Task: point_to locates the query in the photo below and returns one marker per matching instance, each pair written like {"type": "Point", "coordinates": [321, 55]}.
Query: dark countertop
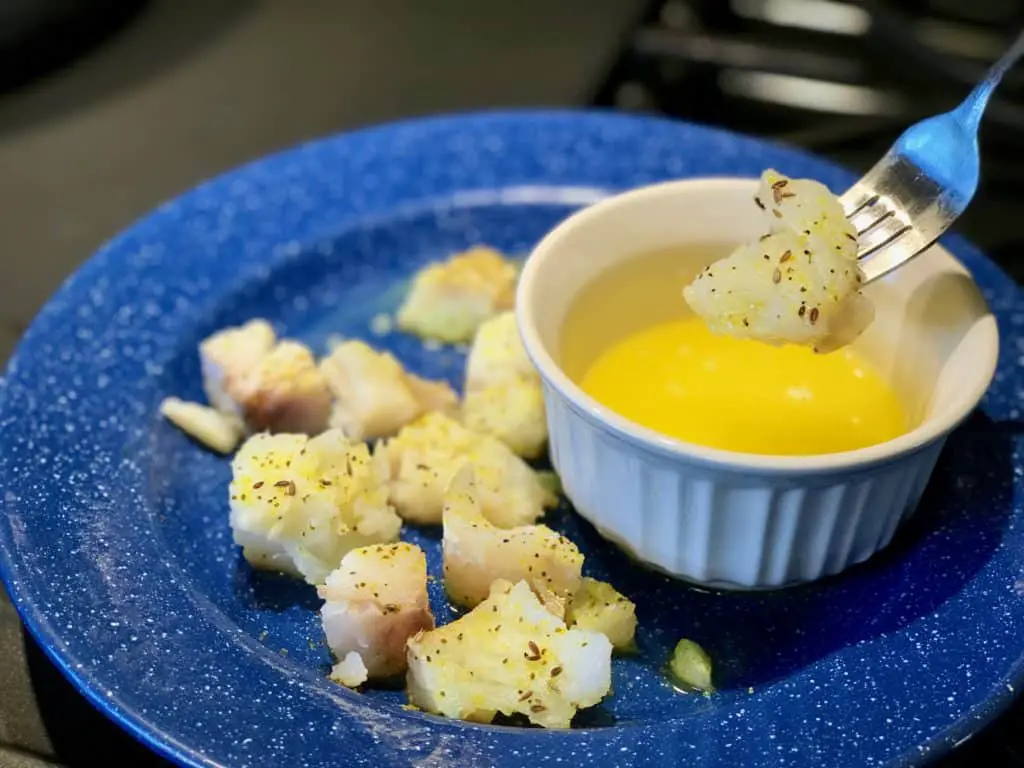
{"type": "Point", "coordinates": [192, 88]}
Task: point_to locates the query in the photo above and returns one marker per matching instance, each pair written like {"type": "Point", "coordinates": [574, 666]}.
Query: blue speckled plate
{"type": "Point", "coordinates": [115, 546]}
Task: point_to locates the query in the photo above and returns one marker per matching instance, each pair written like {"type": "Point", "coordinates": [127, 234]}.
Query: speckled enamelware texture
{"type": "Point", "coordinates": [114, 540]}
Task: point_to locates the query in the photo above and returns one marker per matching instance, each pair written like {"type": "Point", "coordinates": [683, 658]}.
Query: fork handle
{"type": "Point", "coordinates": [973, 106]}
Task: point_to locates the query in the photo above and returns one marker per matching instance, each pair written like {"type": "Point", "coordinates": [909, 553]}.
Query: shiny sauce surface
{"type": "Point", "coordinates": [630, 343]}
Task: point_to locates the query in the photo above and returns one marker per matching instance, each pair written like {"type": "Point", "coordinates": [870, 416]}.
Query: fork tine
{"type": "Point", "coordinates": [923, 182]}
{"type": "Point", "coordinates": [877, 220]}
{"type": "Point", "coordinates": [869, 215]}
{"type": "Point", "coordinates": [881, 237]}
{"type": "Point", "coordinates": [856, 199]}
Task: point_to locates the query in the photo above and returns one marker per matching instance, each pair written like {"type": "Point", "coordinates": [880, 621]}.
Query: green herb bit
{"type": "Point", "coordinates": [691, 666]}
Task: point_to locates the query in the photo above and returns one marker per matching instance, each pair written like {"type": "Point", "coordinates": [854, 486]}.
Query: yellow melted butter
{"type": "Point", "coordinates": [679, 379]}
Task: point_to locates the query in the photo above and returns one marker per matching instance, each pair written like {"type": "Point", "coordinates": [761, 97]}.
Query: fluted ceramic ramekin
{"type": "Point", "coordinates": [735, 520]}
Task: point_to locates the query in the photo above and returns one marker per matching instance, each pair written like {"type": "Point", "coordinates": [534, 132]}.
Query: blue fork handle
{"type": "Point", "coordinates": [972, 108]}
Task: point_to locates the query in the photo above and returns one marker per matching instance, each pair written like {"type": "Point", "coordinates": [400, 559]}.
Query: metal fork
{"type": "Point", "coordinates": [923, 183]}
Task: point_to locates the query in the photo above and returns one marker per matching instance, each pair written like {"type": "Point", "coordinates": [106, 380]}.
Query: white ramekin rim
{"type": "Point", "coordinates": [923, 435]}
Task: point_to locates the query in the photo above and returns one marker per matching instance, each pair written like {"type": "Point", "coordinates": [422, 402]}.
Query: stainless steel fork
{"type": "Point", "coordinates": [924, 182]}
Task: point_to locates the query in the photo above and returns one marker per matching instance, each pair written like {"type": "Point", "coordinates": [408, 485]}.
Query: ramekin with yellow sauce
{"type": "Point", "coordinates": [723, 461]}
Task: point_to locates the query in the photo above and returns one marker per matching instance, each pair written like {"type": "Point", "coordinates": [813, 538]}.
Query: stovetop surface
{"type": "Point", "coordinates": [841, 79]}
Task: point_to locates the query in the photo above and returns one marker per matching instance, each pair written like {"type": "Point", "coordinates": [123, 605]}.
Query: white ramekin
{"type": "Point", "coordinates": [734, 520]}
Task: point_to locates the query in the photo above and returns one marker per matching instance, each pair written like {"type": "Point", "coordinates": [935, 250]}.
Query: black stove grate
{"type": "Point", "coordinates": [839, 78]}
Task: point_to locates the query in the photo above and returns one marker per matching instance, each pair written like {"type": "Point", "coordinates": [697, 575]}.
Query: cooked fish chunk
{"type": "Point", "coordinates": [497, 355]}
{"type": "Point", "coordinates": [448, 300]}
{"type": "Point", "coordinates": [509, 655]}
{"type": "Point", "coordinates": [374, 601]}
{"type": "Point", "coordinates": [808, 208]}
{"type": "Point", "coordinates": [215, 429]}
{"type": "Point", "coordinates": [286, 392]}
{"type": "Point", "coordinates": [512, 412]}
{"type": "Point", "coordinates": [477, 553]}
{"type": "Point", "coordinates": [597, 606]}
{"type": "Point", "coordinates": [270, 385]}
{"type": "Point", "coordinates": [374, 395]}
{"type": "Point", "coordinates": [425, 456]}
{"type": "Point", "coordinates": [229, 356]}
{"type": "Point", "coordinates": [504, 397]}
{"type": "Point", "coordinates": [798, 284]}
{"type": "Point", "coordinates": [300, 504]}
